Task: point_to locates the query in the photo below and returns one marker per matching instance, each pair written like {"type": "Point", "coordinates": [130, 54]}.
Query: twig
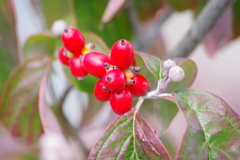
{"type": "Point", "coordinates": [204, 23]}
{"type": "Point", "coordinates": [73, 132]}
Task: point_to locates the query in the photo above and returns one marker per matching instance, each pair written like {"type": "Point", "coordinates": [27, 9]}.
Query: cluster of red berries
{"type": "Point", "coordinates": [118, 77]}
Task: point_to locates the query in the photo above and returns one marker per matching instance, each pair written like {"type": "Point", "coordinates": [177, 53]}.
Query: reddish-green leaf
{"type": "Point", "coordinates": [152, 63]}
{"type": "Point", "coordinates": [190, 70]}
{"type": "Point", "coordinates": [129, 137]}
{"type": "Point", "coordinates": [8, 41]}
{"type": "Point", "coordinates": [39, 44]}
{"type": "Point", "coordinates": [159, 113]}
{"type": "Point", "coordinates": [19, 100]}
{"type": "Point", "coordinates": [181, 5]}
{"type": "Point", "coordinates": [213, 130]}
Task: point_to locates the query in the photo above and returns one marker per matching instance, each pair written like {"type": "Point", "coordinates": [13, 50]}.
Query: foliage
{"type": "Point", "coordinates": [31, 108]}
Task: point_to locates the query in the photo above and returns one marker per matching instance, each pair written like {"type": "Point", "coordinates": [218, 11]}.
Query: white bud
{"type": "Point", "coordinates": [58, 27]}
{"type": "Point", "coordinates": [168, 64]}
{"type": "Point", "coordinates": [54, 147]}
{"type": "Point", "coordinates": [176, 74]}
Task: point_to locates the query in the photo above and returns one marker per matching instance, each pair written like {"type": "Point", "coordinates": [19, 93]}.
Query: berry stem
{"type": "Point", "coordinates": [139, 103]}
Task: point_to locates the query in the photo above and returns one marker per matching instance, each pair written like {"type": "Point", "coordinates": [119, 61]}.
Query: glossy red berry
{"type": "Point", "coordinates": [101, 92]}
{"type": "Point", "coordinates": [62, 56]}
{"type": "Point", "coordinates": [122, 54]}
{"type": "Point", "coordinates": [121, 102]}
{"type": "Point", "coordinates": [73, 40]}
{"type": "Point", "coordinates": [139, 85]}
{"type": "Point", "coordinates": [94, 63]}
{"type": "Point", "coordinates": [76, 68]}
{"type": "Point", "coordinates": [115, 80]}
{"type": "Point", "coordinates": [133, 62]}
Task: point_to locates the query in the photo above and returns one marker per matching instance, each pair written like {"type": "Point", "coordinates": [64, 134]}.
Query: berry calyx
{"type": "Point", "coordinates": [73, 40]}
{"type": "Point", "coordinates": [101, 92]}
{"type": "Point", "coordinates": [122, 54]}
{"type": "Point", "coordinates": [121, 102]}
{"type": "Point", "coordinates": [76, 68]}
{"type": "Point", "coordinates": [115, 80]}
{"type": "Point", "coordinates": [62, 56]}
{"type": "Point", "coordinates": [138, 85]}
{"type": "Point", "coordinates": [94, 63]}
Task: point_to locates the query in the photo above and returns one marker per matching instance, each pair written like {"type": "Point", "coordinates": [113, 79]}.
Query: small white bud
{"type": "Point", "coordinates": [54, 147]}
{"type": "Point", "coordinates": [176, 74]}
{"type": "Point", "coordinates": [168, 64]}
{"type": "Point", "coordinates": [58, 27]}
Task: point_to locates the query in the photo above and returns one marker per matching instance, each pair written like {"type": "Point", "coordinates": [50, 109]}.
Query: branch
{"type": "Point", "coordinates": [204, 23]}
{"type": "Point", "coordinates": [71, 130]}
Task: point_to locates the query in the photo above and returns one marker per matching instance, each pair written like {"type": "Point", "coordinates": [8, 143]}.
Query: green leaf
{"type": "Point", "coordinates": [190, 70]}
{"type": "Point", "coordinates": [129, 137]}
{"type": "Point", "coordinates": [236, 20]}
{"type": "Point", "coordinates": [181, 5]}
{"type": "Point", "coordinates": [19, 100]}
{"type": "Point", "coordinates": [152, 63]}
{"type": "Point", "coordinates": [8, 41]}
{"type": "Point", "coordinates": [213, 127]}
{"type": "Point", "coordinates": [159, 113]}
{"type": "Point", "coordinates": [39, 44]}
{"type": "Point", "coordinates": [85, 85]}
{"type": "Point", "coordinates": [89, 14]}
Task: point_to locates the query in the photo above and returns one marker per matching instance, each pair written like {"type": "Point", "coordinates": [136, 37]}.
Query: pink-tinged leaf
{"type": "Point", "coordinates": [213, 128]}
{"type": "Point", "coordinates": [9, 147]}
{"type": "Point", "coordinates": [220, 35]}
{"type": "Point", "coordinates": [152, 63]}
{"type": "Point", "coordinates": [159, 113]}
{"type": "Point", "coordinates": [19, 100]}
{"type": "Point", "coordinates": [48, 119]}
{"type": "Point", "coordinates": [112, 8]}
{"type": "Point", "coordinates": [8, 41]}
{"type": "Point", "coordinates": [129, 137]}
{"type": "Point", "coordinates": [190, 69]}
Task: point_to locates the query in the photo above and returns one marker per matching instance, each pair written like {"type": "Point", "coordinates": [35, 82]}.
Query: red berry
{"type": "Point", "coordinates": [76, 68]}
{"type": "Point", "coordinates": [94, 63]}
{"type": "Point", "coordinates": [62, 56]}
{"type": "Point", "coordinates": [122, 54]}
{"type": "Point", "coordinates": [133, 62]}
{"type": "Point", "coordinates": [139, 85]}
{"type": "Point", "coordinates": [101, 92]}
{"type": "Point", "coordinates": [121, 102]}
{"type": "Point", "coordinates": [115, 80]}
{"type": "Point", "coordinates": [73, 40]}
